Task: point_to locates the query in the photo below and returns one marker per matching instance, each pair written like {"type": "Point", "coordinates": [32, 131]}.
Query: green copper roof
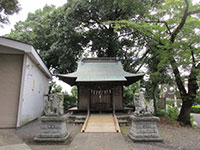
{"type": "Point", "coordinates": [99, 70]}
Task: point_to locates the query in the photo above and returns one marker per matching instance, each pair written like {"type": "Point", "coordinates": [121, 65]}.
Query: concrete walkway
{"type": "Point", "coordinates": [15, 147]}
{"type": "Point", "coordinates": [99, 141]}
{"type": "Point", "coordinates": [10, 141]}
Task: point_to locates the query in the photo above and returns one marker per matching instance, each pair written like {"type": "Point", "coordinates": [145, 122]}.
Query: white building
{"type": "Point", "coordinates": [24, 80]}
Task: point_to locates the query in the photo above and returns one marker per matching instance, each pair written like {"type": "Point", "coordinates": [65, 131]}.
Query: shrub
{"type": "Point", "coordinates": [161, 113]}
{"type": "Point", "coordinates": [69, 102]}
{"type": "Point", "coordinates": [171, 102]}
{"type": "Point", "coordinates": [196, 109]}
{"type": "Point", "coordinates": [172, 114]}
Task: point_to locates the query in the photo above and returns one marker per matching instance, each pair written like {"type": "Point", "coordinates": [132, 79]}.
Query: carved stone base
{"type": "Point", "coordinates": [53, 128]}
{"type": "Point", "coordinates": [144, 129]}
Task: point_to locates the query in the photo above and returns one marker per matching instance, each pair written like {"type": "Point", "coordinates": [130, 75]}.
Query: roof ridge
{"type": "Point", "coordinates": [100, 59]}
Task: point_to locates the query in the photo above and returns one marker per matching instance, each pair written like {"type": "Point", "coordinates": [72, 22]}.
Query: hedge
{"type": "Point", "coordinates": [171, 102]}
{"type": "Point", "coordinates": [196, 109]}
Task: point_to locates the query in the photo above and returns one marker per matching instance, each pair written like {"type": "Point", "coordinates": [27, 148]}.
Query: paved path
{"type": "Point", "coordinates": [15, 147]}
{"type": "Point", "coordinates": [10, 141]}
{"type": "Point", "coordinates": [196, 119]}
{"type": "Point", "coordinates": [101, 123]}
{"type": "Point", "coordinates": [99, 141]}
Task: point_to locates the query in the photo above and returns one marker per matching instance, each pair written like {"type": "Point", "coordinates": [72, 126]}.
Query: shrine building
{"type": "Point", "coordinates": [100, 83]}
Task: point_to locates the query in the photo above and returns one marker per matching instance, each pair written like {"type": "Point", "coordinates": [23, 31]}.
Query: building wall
{"type": "Point", "coordinates": [34, 88]}
{"type": "Point", "coordinates": [118, 97]}
{"type": "Point", "coordinates": [8, 50]}
{"type": "Point", "coordinates": [10, 80]}
{"type": "Point", "coordinates": [84, 96]}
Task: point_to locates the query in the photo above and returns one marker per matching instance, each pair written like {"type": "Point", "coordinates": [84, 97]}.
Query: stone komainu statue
{"type": "Point", "coordinates": [141, 106]}
{"type": "Point", "coordinates": [54, 105]}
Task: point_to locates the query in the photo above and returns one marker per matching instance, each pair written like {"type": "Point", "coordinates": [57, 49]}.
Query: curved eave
{"type": "Point", "coordinates": [67, 79]}
{"type": "Point", "coordinates": [128, 79]}
{"type": "Point", "coordinates": [133, 78]}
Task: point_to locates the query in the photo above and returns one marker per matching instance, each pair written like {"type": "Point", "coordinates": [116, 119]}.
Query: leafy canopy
{"type": "Point", "coordinates": [63, 35]}
{"type": "Point", "coordinates": [173, 33]}
{"type": "Point", "coordinates": [8, 7]}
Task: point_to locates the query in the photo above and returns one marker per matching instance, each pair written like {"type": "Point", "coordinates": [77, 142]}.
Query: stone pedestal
{"type": "Point", "coordinates": [144, 129]}
{"type": "Point", "coordinates": [53, 128]}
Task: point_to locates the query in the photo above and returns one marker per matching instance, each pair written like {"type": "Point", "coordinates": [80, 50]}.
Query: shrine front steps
{"type": "Point", "coordinates": [76, 119]}
{"type": "Point", "coordinates": [123, 120]}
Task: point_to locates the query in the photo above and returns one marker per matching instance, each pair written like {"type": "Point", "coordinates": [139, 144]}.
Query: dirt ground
{"type": "Point", "coordinates": [175, 137]}
{"type": "Point", "coordinates": [31, 130]}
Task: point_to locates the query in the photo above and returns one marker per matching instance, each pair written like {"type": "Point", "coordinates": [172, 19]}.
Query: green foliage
{"type": "Point", "coordinates": [161, 113]}
{"type": "Point", "coordinates": [171, 102]}
{"type": "Point", "coordinates": [172, 114]}
{"type": "Point", "coordinates": [8, 7]}
{"type": "Point", "coordinates": [192, 121]}
{"type": "Point", "coordinates": [129, 94]}
{"type": "Point", "coordinates": [69, 102]}
{"type": "Point", "coordinates": [74, 92]}
{"type": "Point", "coordinates": [56, 89]}
{"type": "Point", "coordinates": [157, 36]}
{"type": "Point", "coordinates": [196, 109]}
{"type": "Point", "coordinates": [71, 99]}
{"type": "Point", "coordinates": [63, 35]}
{"type": "Point", "coordinates": [173, 43]}
{"type": "Point", "coordinates": [39, 30]}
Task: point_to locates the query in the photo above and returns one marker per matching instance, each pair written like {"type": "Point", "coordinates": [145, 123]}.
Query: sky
{"type": "Point", "coordinates": [28, 6]}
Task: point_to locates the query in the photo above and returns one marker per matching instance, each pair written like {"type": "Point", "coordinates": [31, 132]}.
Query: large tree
{"type": "Point", "coordinates": [39, 30]}
{"type": "Point", "coordinates": [174, 28]}
{"type": "Point", "coordinates": [8, 7]}
{"type": "Point", "coordinates": [65, 34]}
{"type": "Point", "coordinates": [85, 26]}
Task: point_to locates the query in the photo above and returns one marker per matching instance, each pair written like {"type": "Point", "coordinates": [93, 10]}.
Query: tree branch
{"type": "Point", "coordinates": [141, 59]}
{"type": "Point", "coordinates": [178, 78]}
{"type": "Point", "coordinates": [183, 20]}
{"type": "Point", "coordinates": [141, 64]}
{"type": "Point", "coordinates": [198, 66]}
{"type": "Point", "coordinates": [164, 22]}
{"type": "Point", "coordinates": [180, 26]}
{"type": "Point", "coordinates": [122, 35]}
{"type": "Point", "coordinates": [192, 53]}
{"type": "Point", "coordinates": [193, 12]}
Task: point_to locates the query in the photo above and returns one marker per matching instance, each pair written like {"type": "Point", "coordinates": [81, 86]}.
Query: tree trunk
{"type": "Point", "coordinates": [184, 116]}
{"type": "Point", "coordinates": [189, 98]}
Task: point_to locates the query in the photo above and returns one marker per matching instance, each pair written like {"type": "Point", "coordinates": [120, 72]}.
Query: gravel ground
{"type": "Point", "coordinates": [175, 138]}
{"type": "Point", "coordinates": [31, 130]}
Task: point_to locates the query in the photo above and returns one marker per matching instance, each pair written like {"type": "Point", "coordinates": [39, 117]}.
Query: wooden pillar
{"type": "Point", "coordinates": [78, 90]}
{"type": "Point", "coordinates": [89, 99]}
{"type": "Point", "coordinates": [113, 101]}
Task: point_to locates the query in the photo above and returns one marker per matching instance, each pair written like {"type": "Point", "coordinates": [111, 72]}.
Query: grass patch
{"type": "Point", "coordinates": [196, 109]}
